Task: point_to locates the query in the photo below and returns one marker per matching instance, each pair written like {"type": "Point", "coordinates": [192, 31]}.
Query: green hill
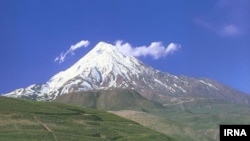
{"type": "Point", "coordinates": [22, 120]}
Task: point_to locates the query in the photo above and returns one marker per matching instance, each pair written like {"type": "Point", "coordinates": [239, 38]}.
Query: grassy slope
{"type": "Point", "coordinates": [22, 120]}
{"type": "Point", "coordinates": [205, 116]}
{"type": "Point", "coordinates": [192, 121]}
{"type": "Point", "coordinates": [173, 128]}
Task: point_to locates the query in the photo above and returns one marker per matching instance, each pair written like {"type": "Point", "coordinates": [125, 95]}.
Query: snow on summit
{"type": "Point", "coordinates": [103, 56]}
{"type": "Point", "coordinates": [105, 66]}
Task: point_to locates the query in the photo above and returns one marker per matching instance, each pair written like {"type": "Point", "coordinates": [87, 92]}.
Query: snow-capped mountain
{"type": "Point", "coordinates": [106, 67]}
{"type": "Point", "coordinates": [103, 67]}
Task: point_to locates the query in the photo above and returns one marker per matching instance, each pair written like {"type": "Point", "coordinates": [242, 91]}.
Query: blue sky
{"type": "Point", "coordinates": [213, 36]}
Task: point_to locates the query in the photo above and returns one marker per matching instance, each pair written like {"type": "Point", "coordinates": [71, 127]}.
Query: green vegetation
{"type": "Point", "coordinates": [196, 120]}
{"type": "Point", "coordinates": [22, 120]}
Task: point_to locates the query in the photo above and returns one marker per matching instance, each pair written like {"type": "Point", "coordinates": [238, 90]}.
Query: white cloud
{"type": "Point", "coordinates": [61, 58]}
{"type": "Point", "coordinates": [228, 18]}
{"type": "Point", "coordinates": [83, 43]}
{"type": "Point", "coordinates": [230, 30]}
{"type": "Point", "coordinates": [227, 30]}
{"type": "Point", "coordinates": [155, 49]}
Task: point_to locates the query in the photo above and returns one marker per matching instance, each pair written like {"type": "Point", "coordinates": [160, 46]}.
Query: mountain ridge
{"type": "Point", "coordinates": [105, 68]}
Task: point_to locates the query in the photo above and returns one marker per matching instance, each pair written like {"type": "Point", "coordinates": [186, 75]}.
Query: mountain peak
{"type": "Point", "coordinates": [102, 50]}
{"type": "Point", "coordinates": [100, 68]}
{"type": "Point", "coordinates": [105, 67]}
{"type": "Point", "coordinates": [104, 47]}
